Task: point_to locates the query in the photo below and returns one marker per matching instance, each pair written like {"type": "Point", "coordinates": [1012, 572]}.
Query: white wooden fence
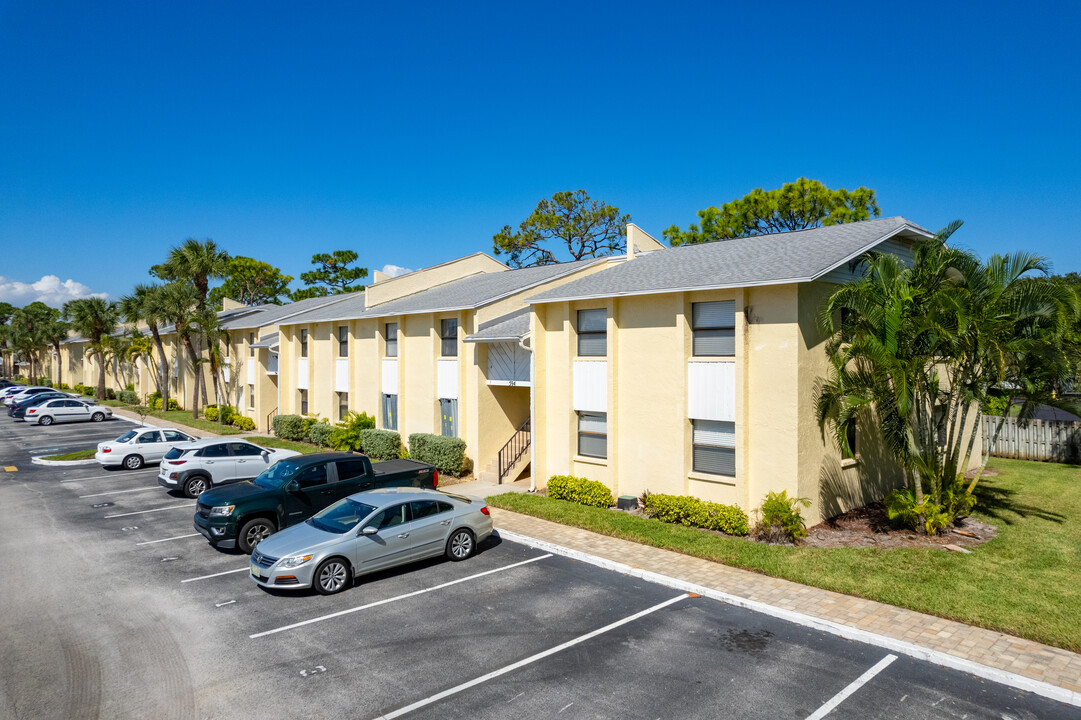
{"type": "Point", "coordinates": [1049, 440]}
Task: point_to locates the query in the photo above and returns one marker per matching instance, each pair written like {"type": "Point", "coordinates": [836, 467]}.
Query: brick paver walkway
{"type": "Point", "coordinates": [990, 648]}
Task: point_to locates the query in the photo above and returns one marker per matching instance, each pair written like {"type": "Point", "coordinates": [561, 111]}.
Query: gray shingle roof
{"type": "Point", "coordinates": [270, 340]}
{"type": "Point", "coordinates": [272, 314]}
{"type": "Point", "coordinates": [512, 326]}
{"type": "Point", "coordinates": [798, 256]}
{"type": "Point", "coordinates": [465, 293]}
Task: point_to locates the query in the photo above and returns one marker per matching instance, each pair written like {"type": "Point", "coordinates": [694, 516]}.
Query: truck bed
{"type": "Point", "coordinates": [391, 467]}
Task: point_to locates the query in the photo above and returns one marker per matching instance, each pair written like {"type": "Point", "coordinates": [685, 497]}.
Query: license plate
{"type": "Point", "coordinates": [255, 570]}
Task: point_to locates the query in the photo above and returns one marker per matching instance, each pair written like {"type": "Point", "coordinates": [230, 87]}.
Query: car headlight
{"type": "Point", "coordinates": [295, 561]}
{"type": "Point", "coordinates": [222, 510]}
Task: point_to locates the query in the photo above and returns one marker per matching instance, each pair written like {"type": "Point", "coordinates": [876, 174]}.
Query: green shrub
{"type": "Point", "coordinates": [210, 413]}
{"type": "Point", "coordinates": [110, 394]}
{"type": "Point", "coordinates": [781, 519]}
{"type": "Point", "coordinates": [319, 434]}
{"type": "Point", "coordinates": [227, 412]}
{"type": "Point", "coordinates": [381, 444]}
{"type": "Point", "coordinates": [693, 512]}
{"type": "Point", "coordinates": [243, 423]}
{"type": "Point", "coordinates": [902, 508]}
{"type": "Point", "coordinates": [129, 397]}
{"type": "Point", "coordinates": [155, 404]}
{"type": "Point", "coordinates": [130, 386]}
{"type": "Point", "coordinates": [447, 454]}
{"type": "Point", "coordinates": [173, 404]}
{"type": "Point", "coordinates": [45, 380]}
{"type": "Point", "coordinates": [152, 397]}
{"type": "Point", "coordinates": [64, 386]}
{"type": "Point", "coordinates": [346, 436]}
{"type": "Point", "coordinates": [83, 389]}
{"type": "Point", "coordinates": [580, 490]}
{"type": "Point", "coordinates": [289, 427]}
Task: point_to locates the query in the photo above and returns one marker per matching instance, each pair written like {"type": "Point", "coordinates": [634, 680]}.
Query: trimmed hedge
{"type": "Point", "coordinates": [580, 490]}
{"type": "Point", "coordinates": [447, 454]}
{"type": "Point", "coordinates": [156, 404]}
{"type": "Point", "coordinates": [129, 397]}
{"type": "Point", "coordinates": [692, 512]}
{"type": "Point", "coordinates": [381, 444]}
{"type": "Point", "coordinates": [243, 423]}
{"type": "Point", "coordinates": [210, 413]}
{"type": "Point", "coordinates": [289, 427]}
{"type": "Point", "coordinates": [319, 434]}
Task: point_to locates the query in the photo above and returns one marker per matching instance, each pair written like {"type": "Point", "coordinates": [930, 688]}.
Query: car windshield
{"type": "Point", "coordinates": [341, 517]}
{"type": "Point", "coordinates": [126, 436]}
{"type": "Point", "coordinates": [277, 475]}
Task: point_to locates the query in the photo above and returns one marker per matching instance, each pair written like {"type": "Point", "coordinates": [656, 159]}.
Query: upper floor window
{"type": "Point", "coordinates": [714, 326]}
{"type": "Point", "coordinates": [303, 343]}
{"type": "Point", "coordinates": [343, 341]}
{"type": "Point", "coordinates": [251, 341]}
{"type": "Point", "coordinates": [392, 339]}
{"type": "Point", "coordinates": [593, 332]}
{"type": "Point", "coordinates": [448, 333]}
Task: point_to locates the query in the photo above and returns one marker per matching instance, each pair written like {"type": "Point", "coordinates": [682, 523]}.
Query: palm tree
{"type": "Point", "coordinates": [919, 347]}
{"type": "Point", "coordinates": [198, 262]}
{"type": "Point", "coordinates": [94, 319]}
{"type": "Point", "coordinates": [142, 348]}
{"type": "Point", "coordinates": [177, 302]}
{"type": "Point", "coordinates": [146, 303]}
{"type": "Point", "coordinates": [55, 333]}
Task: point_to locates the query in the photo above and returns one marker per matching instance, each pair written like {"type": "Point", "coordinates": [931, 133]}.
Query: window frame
{"type": "Point", "coordinates": [251, 397]}
{"type": "Point", "coordinates": [303, 343]}
{"type": "Point", "coordinates": [592, 434]}
{"type": "Point", "coordinates": [390, 339]}
{"type": "Point", "coordinates": [343, 343]}
{"type": "Point", "coordinates": [343, 404]}
{"type": "Point", "coordinates": [587, 334]}
{"type": "Point", "coordinates": [695, 445]}
{"type": "Point", "coordinates": [444, 339]}
{"type": "Point", "coordinates": [695, 328]}
{"type": "Point", "coordinates": [303, 402]}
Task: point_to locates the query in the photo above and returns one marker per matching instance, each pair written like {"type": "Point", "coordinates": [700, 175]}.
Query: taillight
{"type": "Point", "coordinates": [31, 411]}
{"type": "Point", "coordinates": [176, 462]}
{"type": "Point", "coordinates": [106, 449]}
{"type": "Point", "coordinates": [485, 511]}
{"type": "Point", "coordinates": [435, 477]}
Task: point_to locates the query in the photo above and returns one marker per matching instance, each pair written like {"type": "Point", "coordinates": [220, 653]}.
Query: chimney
{"type": "Point", "coordinates": [639, 241]}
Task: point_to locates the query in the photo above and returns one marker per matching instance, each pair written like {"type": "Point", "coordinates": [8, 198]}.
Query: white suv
{"type": "Point", "coordinates": [195, 467]}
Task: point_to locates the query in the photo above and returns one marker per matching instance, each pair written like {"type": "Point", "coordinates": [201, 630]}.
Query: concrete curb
{"type": "Point", "coordinates": [40, 460]}
{"type": "Point", "coordinates": [1003, 677]}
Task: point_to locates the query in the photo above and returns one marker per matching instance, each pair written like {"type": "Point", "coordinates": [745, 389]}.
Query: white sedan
{"type": "Point", "coordinates": [136, 448]}
{"type": "Point", "coordinates": [61, 410]}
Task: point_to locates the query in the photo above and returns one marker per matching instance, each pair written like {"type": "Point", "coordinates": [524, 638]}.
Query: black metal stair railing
{"type": "Point", "coordinates": [513, 450]}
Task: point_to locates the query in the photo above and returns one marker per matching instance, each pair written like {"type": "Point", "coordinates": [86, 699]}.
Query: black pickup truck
{"type": "Point", "coordinates": [294, 489]}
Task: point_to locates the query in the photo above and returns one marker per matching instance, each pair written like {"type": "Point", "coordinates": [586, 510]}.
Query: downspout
{"type": "Point", "coordinates": [532, 414]}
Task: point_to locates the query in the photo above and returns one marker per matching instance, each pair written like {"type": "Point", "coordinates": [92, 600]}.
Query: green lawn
{"type": "Point", "coordinates": [1025, 582]}
{"type": "Point", "coordinates": [273, 442]}
{"type": "Point", "coordinates": [77, 455]}
{"type": "Point", "coordinates": [183, 417]}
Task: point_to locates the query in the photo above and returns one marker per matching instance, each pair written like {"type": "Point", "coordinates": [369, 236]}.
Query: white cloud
{"type": "Point", "coordinates": [50, 290]}
{"type": "Point", "coordinates": [395, 270]}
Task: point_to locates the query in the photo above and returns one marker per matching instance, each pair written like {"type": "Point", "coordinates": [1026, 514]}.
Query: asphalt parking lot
{"type": "Point", "coordinates": [112, 606]}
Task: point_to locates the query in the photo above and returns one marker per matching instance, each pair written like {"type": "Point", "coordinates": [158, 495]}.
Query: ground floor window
{"type": "Point", "coordinates": [593, 434]}
{"type": "Point", "coordinates": [390, 412]}
{"type": "Point", "coordinates": [343, 405]}
{"type": "Point", "coordinates": [714, 447]}
{"type": "Point", "coordinates": [251, 397]}
{"type": "Point", "coordinates": [448, 412]}
{"type": "Point", "coordinates": [303, 402]}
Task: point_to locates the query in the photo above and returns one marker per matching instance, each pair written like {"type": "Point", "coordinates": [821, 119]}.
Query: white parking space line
{"type": "Point", "coordinates": [852, 687]}
{"type": "Point", "coordinates": [114, 475]}
{"type": "Point", "coordinates": [141, 512]}
{"type": "Point", "coordinates": [529, 660]}
{"type": "Point", "coordinates": [395, 599]}
{"type": "Point", "coordinates": [206, 577]}
{"type": "Point", "coordinates": [117, 492]}
{"type": "Point", "coordinates": [178, 537]}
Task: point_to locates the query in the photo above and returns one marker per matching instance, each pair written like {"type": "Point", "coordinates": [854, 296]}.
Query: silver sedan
{"type": "Point", "coordinates": [370, 531]}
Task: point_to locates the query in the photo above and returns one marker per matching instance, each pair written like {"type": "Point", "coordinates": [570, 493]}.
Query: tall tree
{"type": "Point", "coordinates": [252, 282]}
{"type": "Point", "coordinates": [6, 309]}
{"type": "Point", "coordinates": [794, 206]}
{"type": "Point", "coordinates": [145, 303]}
{"type": "Point", "coordinates": [56, 332]}
{"type": "Point", "coordinates": [587, 227]}
{"type": "Point", "coordinates": [94, 319]}
{"type": "Point", "coordinates": [178, 302]}
{"type": "Point", "coordinates": [333, 275]}
{"type": "Point", "coordinates": [30, 325]}
{"type": "Point", "coordinates": [919, 347]}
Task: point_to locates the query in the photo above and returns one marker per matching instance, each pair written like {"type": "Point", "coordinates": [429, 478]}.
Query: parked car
{"type": "Point", "coordinates": [14, 407]}
{"type": "Point", "coordinates": [137, 447]}
{"type": "Point", "coordinates": [17, 392]}
{"type": "Point", "coordinates": [292, 490]}
{"type": "Point", "coordinates": [370, 531]}
{"type": "Point", "coordinates": [60, 410]}
{"type": "Point", "coordinates": [196, 467]}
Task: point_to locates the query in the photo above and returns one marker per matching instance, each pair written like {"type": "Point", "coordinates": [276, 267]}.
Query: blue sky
{"type": "Point", "coordinates": [411, 132]}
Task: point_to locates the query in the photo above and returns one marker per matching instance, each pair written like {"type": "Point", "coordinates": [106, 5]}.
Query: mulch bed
{"type": "Point", "coordinates": [870, 527]}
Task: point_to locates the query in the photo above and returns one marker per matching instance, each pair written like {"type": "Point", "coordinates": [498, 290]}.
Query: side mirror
{"type": "Point", "coordinates": [369, 530]}
{"type": "Point", "coordinates": [293, 486]}
{"type": "Point", "coordinates": [265, 454]}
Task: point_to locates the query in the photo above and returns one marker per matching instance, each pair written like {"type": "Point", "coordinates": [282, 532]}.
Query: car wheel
{"type": "Point", "coordinates": [196, 486]}
{"type": "Point", "coordinates": [45, 420]}
{"type": "Point", "coordinates": [97, 417]}
{"type": "Point", "coordinates": [254, 532]}
{"type": "Point", "coordinates": [332, 576]}
{"type": "Point", "coordinates": [460, 545]}
{"type": "Point", "coordinates": [133, 462]}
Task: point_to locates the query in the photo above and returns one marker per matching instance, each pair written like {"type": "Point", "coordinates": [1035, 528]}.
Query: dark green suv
{"type": "Point", "coordinates": [292, 490]}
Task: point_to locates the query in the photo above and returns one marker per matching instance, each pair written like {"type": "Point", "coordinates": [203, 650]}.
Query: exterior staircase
{"type": "Point", "coordinates": [511, 460]}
